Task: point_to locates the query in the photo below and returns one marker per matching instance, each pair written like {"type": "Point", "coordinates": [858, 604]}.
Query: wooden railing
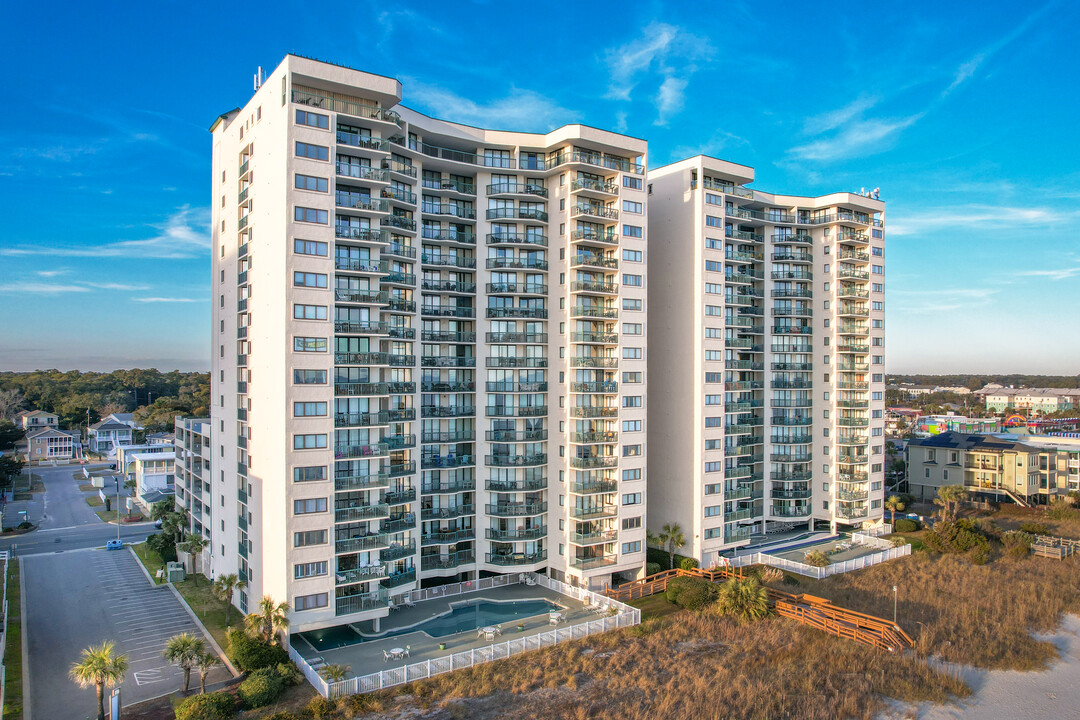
{"type": "Point", "coordinates": [809, 610]}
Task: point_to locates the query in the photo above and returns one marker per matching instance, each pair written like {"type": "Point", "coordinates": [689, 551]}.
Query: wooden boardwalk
{"type": "Point", "coordinates": [1054, 547]}
{"type": "Point", "coordinates": [809, 610]}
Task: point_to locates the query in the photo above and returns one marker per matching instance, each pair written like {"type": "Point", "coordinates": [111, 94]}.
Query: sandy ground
{"type": "Point", "coordinates": [1009, 695]}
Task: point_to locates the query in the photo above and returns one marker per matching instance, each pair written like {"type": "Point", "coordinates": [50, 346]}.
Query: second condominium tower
{"type": "Point", "coordinates": [767, 369]}
{"type": "Point", "coordinates": [428, 360]}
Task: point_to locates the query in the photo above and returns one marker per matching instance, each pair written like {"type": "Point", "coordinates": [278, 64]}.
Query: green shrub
{"type": "Point", "coordinates": [261, 688]}
{"type": "Point", "coordinates": [321, 708]}
{"type": "Point", "coordinates": [248, 653]}
{"type": "Point", "coordinates": [283, 715]}
{"type": "Point", "coordinates": [962, 536]}
{"type": "Point", "coordinates": [1017, 544]}
{"type": "Point", "coordinates": [744, 598]}
{"type": "Point", "coordinates": [211, 706]}
{"type": "Point", "coordinates": [816, 558]}
{"type": "Point", "coordinates": [688, 563]}
{"type": "Point", "coordinates": [770, 574]}
{"type": "Point", "coordinates": [652, 568]}
{"type": "Point", "coordinates": [163, 546]}
{"type": "Point", "coordinates": [1035, 528]}
{"type": "Point", "coordinates": [906, 525]}
{"type": "Point", "coordinates": [980, 555]}
{"type": "Point", "coordinates": [690, 592]}
{"type": "Point", "coordinates": [25, 525]}
{"type": "Point", "coordinates": [1061, 510]}
{"type": "Point", "coordinates": [289, 674]}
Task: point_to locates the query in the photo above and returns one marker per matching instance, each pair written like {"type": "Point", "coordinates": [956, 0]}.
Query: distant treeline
{"type": "Point", "coordinates": [974, 382]}
{"type": "Point", "coordinates": [155, 397]}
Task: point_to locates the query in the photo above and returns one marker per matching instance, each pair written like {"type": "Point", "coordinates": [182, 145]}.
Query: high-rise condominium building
{"type": "Point", "coordinates": [428, 360]}
{"type": "Point", "coordinates": [767, 403]}
{"type": "Point", "coordinates": [191, 479]}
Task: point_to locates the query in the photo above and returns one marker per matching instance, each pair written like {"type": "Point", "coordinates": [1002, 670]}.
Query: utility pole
{"type": "Point", "coordinates": [116, 478]}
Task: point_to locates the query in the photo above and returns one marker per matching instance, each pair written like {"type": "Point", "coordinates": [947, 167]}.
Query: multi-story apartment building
{"type": "Point", "coordinates": [191, 480]}
{"type": "Point", "coordinates": [428, 360]}
{"type": "Point", "coordinates": [1036, 401]}
{"type": "Point", "coordinates": [768, 371]}
{"type": "Point", "coordinates": [994, 467]}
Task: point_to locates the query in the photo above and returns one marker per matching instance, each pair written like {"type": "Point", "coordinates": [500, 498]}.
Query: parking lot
{"type": "Point", "coordinates": [81, 598]}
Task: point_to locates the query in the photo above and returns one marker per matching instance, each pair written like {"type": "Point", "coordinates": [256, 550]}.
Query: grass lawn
{"type": "Point", "coordinates": [150, 560]}
{"type": "Point", "coordinates": [94, 501]}
{"type": "Point", "coordinates": [211, 611]}
{"type": "Point", "coordinates": [654, 606]}
{"type": "Point", "coordinates": [87, 487]}
{"type": "Point", "coordinates": [109, 516]}
{"type": "Point", "coordinates": [13, 697]}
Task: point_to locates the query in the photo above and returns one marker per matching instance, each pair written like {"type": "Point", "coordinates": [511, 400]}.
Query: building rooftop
{"type": "Point", "coordinates": [963, 441]}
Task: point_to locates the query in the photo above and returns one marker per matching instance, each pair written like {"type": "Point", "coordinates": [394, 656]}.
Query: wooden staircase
{"type": "Point", "coordinates": [809, 610]}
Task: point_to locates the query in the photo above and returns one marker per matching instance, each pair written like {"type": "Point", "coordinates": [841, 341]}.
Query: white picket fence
{"type": "Point", "coordinates": [822, 572]}
{"type": "Point", "coordinates": [625, 616]}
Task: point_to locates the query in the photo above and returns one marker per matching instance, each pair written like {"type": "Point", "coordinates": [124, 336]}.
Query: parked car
{"type": "Point", "coordinates": [158, 523]}
{"type": "Point", "coordinates": [114, 545]}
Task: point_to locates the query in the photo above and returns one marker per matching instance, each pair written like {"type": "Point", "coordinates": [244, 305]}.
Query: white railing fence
{"type": "Point", "coordinates": [832, 569]}
{"type": "Point", "coordinates": [623, 616]}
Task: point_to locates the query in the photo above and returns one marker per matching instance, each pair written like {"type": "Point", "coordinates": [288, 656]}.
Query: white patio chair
{"type": "Point", "coordinates": [407, 649]}
{"type": "Point", "coordinates": [386, 656]}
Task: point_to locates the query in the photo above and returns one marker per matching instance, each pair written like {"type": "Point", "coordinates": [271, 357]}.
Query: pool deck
{"type": "Point", "coordinates": [798, 554]}
{"type": "Point", "coordinates": [367, 657]}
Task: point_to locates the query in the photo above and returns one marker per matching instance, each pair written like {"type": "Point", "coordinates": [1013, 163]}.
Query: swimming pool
{"type": "Point", "coordinates": [462, 618]}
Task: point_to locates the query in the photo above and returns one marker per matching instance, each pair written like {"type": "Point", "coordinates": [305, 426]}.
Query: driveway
{"type": "Point", "coordinates": [77, 599]}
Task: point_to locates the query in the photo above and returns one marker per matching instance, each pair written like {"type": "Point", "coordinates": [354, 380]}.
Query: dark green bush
{"type": "Point", "coordinates": [690, 592]}
{"type": "Point", "coordinates": [688, 563]}
{"type": "Point", "coordinates": [958, 537]}
{"type": "Point", "coordinates": [906, 525]}
{"type": "Point", "coordinates": [289, 674]}
{"type": "Point", "coordinates": [25, 525]}
{"type": "Point", "coordinates": [211, 706]}
{"type": "Point", "coordinates": [1035, 528]}
{"type": "Point", "coordinates": [1017, 544]}
{"type": "Point", "coordinates": [652, 568]}
{"type": "Point", "coordinates": [163, 546]}
{"type": "Point", "coordinates": [261, 688]}
{"type": "Point", "coordinates": [249, 653]}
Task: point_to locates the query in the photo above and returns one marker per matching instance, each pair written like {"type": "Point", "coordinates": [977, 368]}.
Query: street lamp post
{"type": "Point", "coordinates": [894, 588]}
{"type": "Point", "coordinates": [116, 479]}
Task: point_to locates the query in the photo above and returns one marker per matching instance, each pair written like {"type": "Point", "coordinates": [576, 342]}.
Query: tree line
{"type": "Point", "coordinates": [974, 382]}
{"type": "Point", "coordinates": [155, 397]}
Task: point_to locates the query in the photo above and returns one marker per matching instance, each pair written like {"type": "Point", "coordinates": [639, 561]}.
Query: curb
{"type": "Point", "coordinates": [25, 643]}
{"type": "Point", "coordinates": [213, 642]}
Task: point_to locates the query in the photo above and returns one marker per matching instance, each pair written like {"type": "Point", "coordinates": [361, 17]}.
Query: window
{"type": "Point", "coordinates": [714, 510]}
{"type": "Point", "coordinates": [877, 287]}
{"type": "Point", "coordinates": [714, 399]}
{"type": "Point", "coordinates": [714, 266]}
{"type": "Point", "coordinates": [714, 489]}
{"type": "Point", "coordinates": [631, 474]}
{"type": "Point", "coordinates": [714, 466]}
{"type": "Point", "coordinates": [309, 506]}
{"type": "Point", "coordinates": [632, 280]}
{"type": "Point", "coordinates": [311, 215]}
{"type": "Point", "coordinates": [309, 344]}
{"type": "Point", "coordinates": [714, 377]}
{"type": "Point", "coordinates": [631, 353]}
{"type": "Point", "coordinates": [311, 280]}
{"type": "Point", "coordinates": [303, 117]}
{"type": "Point", "coordinates": [875, 396]}
{"type": "Point", "coordinates": [631, 207]}
{"type": "Point", "coordinates": [309, 247]}
{"type": "Point", "coordinates": [877, 252]}
{"type": "Point", "coordinates": [631, 547]}
{"type": "Point", "coordinates": [631, 498]}
{"type": "Point", "coordinates": [630, 401]}
{"type": "Point", "coordinates": [631, 231]}
{"type": "Point", "coordinates": [877, 324]}
{"type": "Point", "coordinates": [309, 409]}
{"type": "Point", "coordinates": [877, 269]}
{"type": "Point", "coordinates": [309, 442]}
{"type": "Point", "coordinates": [714, 244]}
{"type": "Point", "coordinates": [712, 533]}
{"type": "Point", "coordinates": [631, 377]}
{"type": "Point", "coordinates": [714, 354]}
{"type": "Point", "coordinates": [631, 255]}
{"type": "Point", "coordinates": [309, 312]}
{"type": "Point", "coordinates": [877, 305]}
{"type": "Point", "coordinates": [310, 182]}
{"type": "Point", "coordinates": [713, 199]}
{"type": "Point", "coordinates": [306, 570]}
{"type": "Point", "coordinates": [631, 328]}
{"type": "Point", "coordinates": [309, 377]}
{"type": "Point", "coordinates": [310, 537]}
{"type": "Point", "coordinates": [631, 450]}
{"type": "Point", "coordinates": [631, 523]}
{"type": "Point", "coordinates": [310, 602]}
{"type": "Point", "coordinates": [314, 152]}
{"type": "Point", "coordinates": [314, 473]}
{"type": "Point", "coordinates": [714, 310]}
{"type": "Point", "coordinates": [631, 426]}
{"type": "Point", "coordinates": [714, 422]}
{"type": "Point", "coordinates": [631, 182]}
{"type": "Point", "coordinates": [714, 221]}
{"type": "Point", "coordinates": [714, 288]}
{"type": "Point", "coordinates": [878, 359]}
{"type": "Point", "coordinates": [631, 304]}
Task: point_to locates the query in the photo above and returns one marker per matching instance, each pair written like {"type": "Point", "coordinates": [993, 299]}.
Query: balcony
{"type": "Point", "coordinates": [360, 234]}
{"type": "Point", "coordinates": [516, 535]}
{"type": "Point", "coordinates": [744, 256]}
{"type": "Point", "coordinates": [593, 286]}
{"type": "Point", "coordinates": [453, 436]}
{"type": "Point", "coordinates": [516, 411]}
{"type": "Point", "coordinates": [398, 579]}
{"type": "Point", "coordinates": [361, 327]}
{"type": "Point", "coordinates": [368, 419]}
{"type": "Point", "coordinates": [599, 338]}
{"type": "Point", "coordinates": [513, 559]}
{"type": "Point", "coordinates": [594, 438]}
{"type": "Point", "coordinates": [599, 186]}
{"type": "Point", "coordinates": [516, 188]}
{"type": "Point", "coordinates": [342, 451]}
{"type": "Point", "coordinates": [377, 511]}
{"type": "Point", "coordinates": [516, 338]}
{"type": "Point", "coordinates": [447, 411]}
{"type": "Point", "coordinates": [361, 389]}
{"type": "Point", "coordinates": [594, 487]}
{"type": "Point", "coordinates": [516, 263]}
{"type": "Point", "coordinates": [400, 497]}
{"type": "Point", "coordinates": [515, 460]}
{"type": "Point", "coordinates": [603, 388]}
{"type": "Point", "coordinates": [361, 543]}
{"type": "Point", "coordinates": [594, 311]}
{"type": "Point", "coordinates": [511, 486]}
{"type": "Point", "coordinates": [519, 509]}
{"type": "Point", "coordinates": [460, 186]}
{"type": "Point", "coordinates": [447, 336]}
{"type": "Point", "coordinates": [447, 537]}
{"type": "Point", "coordinates": [506, 238]}
{"type": "Point", "coordinates": [463, 211]}
{"type": "Point", "coordinates": [594, 512]}
{"type": "Point", "coordinates": [358, 575]}
{"type": "Point", "coordinates": [597, 211]}
{"type": "Point", "coordinates": [591, 563]}
{"type": "Point", "coordinates": [448, 512]}
{"type": "Point", "coordinates": [505, 386]}
{"type": "Point", "coordinates": [595, 238]}
{"type": "Point", "coordinates": [460, 237]}
{"type": "Point", "coordinates": [610, 162]}
{"type": "Point", "coordinates": [534, 313]}
{"type": "Point", "coordinates": [448, 260]}
{"type": "Point", "coordinates": [790, 511]}
{"type": "Point", "coordinates": [366, 297]}
{"type": "Point", "coordinates": [515, 436]}
{"type": "Point", "coordinates": [792, 256]}
{"type": "Point", "coordinates": [371, 481]}
{"type": "Point", "coordinates": [448, 487]}
{"type": "Point", "coordinates": [447, 361]}
{"type": "Point", "coordinates": [361, 202]}
{"type": "Point", "coordinates": [593, 463]}
{"type": "Point", "coordinates": [447, 562]}
{"type": "Point", "coordinates": [453, 311]}
{"type": "Point", "coordinates": [511, 288]}
{"type": "Point", "coordinates": [519, 213]}
{"type": "Point", "coordinates": [792, 293]}
{"type": "Point", "coordinates": [362, 172]}
{"type": "Point", "coordinates": [591, 412]}
{"type": "Point", "coordinates": [361, 603]}
{"type": "Point", "coordinates": [430, 462]}
{"type": "Point", "coordinates": [594, 260]}
{"type": "Point", "coordinates": [397, 551]}
{"type": "Point", "coordinates": [594, 362]}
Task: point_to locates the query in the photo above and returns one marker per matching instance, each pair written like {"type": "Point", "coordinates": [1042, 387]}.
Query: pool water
{"type": "Point", "coordinates": [462, 618]}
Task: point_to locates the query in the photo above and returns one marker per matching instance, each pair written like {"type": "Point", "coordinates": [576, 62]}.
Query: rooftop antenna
{"type": "Point", "coordinates": [259, 78]}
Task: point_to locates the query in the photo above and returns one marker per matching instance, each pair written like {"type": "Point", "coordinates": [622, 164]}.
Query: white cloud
{"type": "Point", "coordinates": [716, 143]}
{"type": "Point", "coordinates": [670, 99]}
{"type": "Point", "coordinates": [923, 302]}
{"type": "Point", "coordinates": [35, 288]}
{"type": "Point", "coordinates": [114, 286]}
{"type": "Point", "coordinates": [620, 121]}
{"type": "Point", "coordinates": [835, 118]}
{"type": "Point", "coordinates": [856, 139]}
{"type": "Point", "coordinates": [168, 300]}
{"type": "Point", "coordinates": [53, 273]}
{"type": "Point", "coordinates": [1059, 274]}
{"type": "Point", "coordinates": [185, 234]}
{"type": "Point", "coordinates": [520, 110]}
{"type": "Point", "coordinates": [986, 218]}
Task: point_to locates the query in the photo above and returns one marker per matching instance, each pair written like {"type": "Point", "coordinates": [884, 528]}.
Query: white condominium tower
{"type": "Point", "coordinates": [767, 375]}
{"type": "Point", "coordinates": [428, 348]}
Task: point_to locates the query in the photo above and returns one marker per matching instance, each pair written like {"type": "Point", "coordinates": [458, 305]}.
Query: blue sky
{"type": "Point", "coordinates": [964, 114]}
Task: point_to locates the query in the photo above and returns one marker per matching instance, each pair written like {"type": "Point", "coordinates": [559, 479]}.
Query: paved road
{"type": "Point", "coordinates": [81, 598]}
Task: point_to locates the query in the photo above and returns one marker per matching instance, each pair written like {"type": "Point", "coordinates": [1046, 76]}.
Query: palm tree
{"type": "Point", "coordinates": [949, 499]}
{"type": "Point", "coordinates": [195, 545]}
{"type": "Point", "coordinates": [206, 662]}
{"type": "Point", "coordinates": [184, 650]}
{"type": "Point", "coordinates": [270, 618]}
{"type": "Point", "coordinates": [671, 536]}
{"type": "Point", "coordinates": [224, 587]}
{"type": "Point", "coordinates": [744, 598]}
{"type": "Point", "coordinates": [100, 667]}
{"type": "Point", "coordinates": [893, 504]}
{"type": "Point", "coordinates": [335, 673]}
